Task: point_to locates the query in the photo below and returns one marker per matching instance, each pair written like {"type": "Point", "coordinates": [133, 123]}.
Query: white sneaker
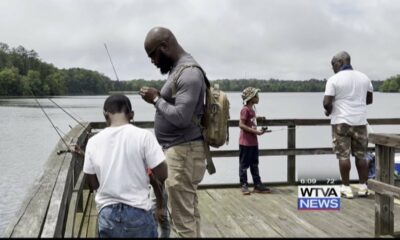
{"type": "Point", "coordinates": [346, 192]}
{"type": "Point", "coordinates": [363, 190]}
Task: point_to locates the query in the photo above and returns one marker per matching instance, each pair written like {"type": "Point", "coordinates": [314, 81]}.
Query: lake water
{"type": "Point", "coordinates": [27, 138]}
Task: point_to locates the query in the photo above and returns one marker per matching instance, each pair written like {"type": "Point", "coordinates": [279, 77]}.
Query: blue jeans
{"type": "Point", "coordinates": [248, 157]}
{"type": "Point", "coordinates": [120, 220]}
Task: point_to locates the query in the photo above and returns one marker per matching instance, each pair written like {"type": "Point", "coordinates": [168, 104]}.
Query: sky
{"type": "Point", "coordinates": [231, 39]}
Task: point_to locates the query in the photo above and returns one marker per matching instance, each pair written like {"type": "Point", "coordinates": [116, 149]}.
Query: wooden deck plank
{"type": "Point", "coordinates": [84, 228]}
{"type": "Point", "coordinates": [228, 213]}
{"type": "Point", "coordinates": [269, 214]}
{"type": "Point", "coordinates": [281, 213]}
{"type": "Point", "coordinates": [226, 225]}
{"type": "Point", "coordinates": [57, 208]}
{"type": "Point", "coordinates": [249, 223]}
{"type": "Point", "coordinates": [92, 221]}
{"type": "Point", "coordinates": [78, 219]}
{"type": "Point", "coordinates": [356, 219]}
{"type": "Point", "coordinates": [249, 220]}
{"type": "Point", "coordinates": [208, 217]}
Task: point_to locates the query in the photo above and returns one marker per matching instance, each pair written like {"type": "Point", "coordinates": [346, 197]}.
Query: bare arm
{"type": "Point", "coordinates": [92, 181]}
{"type": "Point", "coordinates": [157, 178]}
{"type": "Point", "coordinates": [246, 128]}
{"type": "Point", "coordinates": [158, 189]}
{"type": "Point", "coordinates": [160, 172]}
{"type": "Point", "coordinates": [369, 98]}
{"type": "Point", "coordinates": [328, 100]}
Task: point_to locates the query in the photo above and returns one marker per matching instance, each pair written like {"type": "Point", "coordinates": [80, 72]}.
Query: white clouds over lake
{"type": "Point", "coordinates": [285, 39]}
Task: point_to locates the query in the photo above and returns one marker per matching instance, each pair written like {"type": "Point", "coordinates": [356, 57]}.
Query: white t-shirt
{"type": "Point", "coordinates": [119, 156]}
{"type": "Point", "coordinates": [349, 87]}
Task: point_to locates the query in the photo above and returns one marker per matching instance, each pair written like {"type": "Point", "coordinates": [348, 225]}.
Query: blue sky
{"type": "Point", "coordinates": [284, 39]}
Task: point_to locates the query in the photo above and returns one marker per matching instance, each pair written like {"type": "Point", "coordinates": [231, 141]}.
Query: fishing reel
{"type": "Point", "coordinates": [265, 129]}
{"type": "Point", "coordinates": [59, 152]}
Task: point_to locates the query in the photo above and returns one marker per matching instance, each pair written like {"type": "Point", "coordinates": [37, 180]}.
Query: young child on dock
{"type": "Point", "coordinates": [115, 165]}
{"type": "Point", "coordinates": [248, 143]}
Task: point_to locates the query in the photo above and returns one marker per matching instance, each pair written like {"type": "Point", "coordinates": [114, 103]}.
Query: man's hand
{"type": "Point", "coordinates": [149, 94]}
{"type": "Point", "coordinates": [326, 113]}
{"type": "Point", "coordinates": [159, 215]}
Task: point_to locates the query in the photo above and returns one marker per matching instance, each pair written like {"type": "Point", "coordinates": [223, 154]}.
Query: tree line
{"type": "Point", "coordinates": [23, 73]}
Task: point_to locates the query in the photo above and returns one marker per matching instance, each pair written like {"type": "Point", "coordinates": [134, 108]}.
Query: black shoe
{"type": "Point", "coordinates": [261, 188]}
{"type": "Point", "coordinates": [245, 189]}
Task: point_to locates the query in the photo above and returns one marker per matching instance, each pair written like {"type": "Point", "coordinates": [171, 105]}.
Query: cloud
{"type": "Point", "coordinates": [283, 39]}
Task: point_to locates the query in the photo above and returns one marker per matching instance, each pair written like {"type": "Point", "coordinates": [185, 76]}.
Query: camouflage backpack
{"type": "Point", "coordinates": [214, 123]}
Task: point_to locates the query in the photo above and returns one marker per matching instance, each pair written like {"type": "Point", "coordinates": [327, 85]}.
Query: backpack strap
{"type": "Point", "coordinates": [197, 121]}
{"type": "Point", "coordinates": [178, 74]}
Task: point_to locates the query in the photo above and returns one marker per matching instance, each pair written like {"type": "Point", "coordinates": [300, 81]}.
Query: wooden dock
{"type": "Point", "coordinates": [59, 203]}
{"type": "Point", "coordinates": [225, 212]}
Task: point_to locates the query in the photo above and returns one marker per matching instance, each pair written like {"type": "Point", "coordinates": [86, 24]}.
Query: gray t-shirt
{"type": "Point", "coordinates": [173, 122]}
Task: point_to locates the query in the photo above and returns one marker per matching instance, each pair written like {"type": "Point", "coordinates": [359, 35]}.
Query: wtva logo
{"type": "Point", "coordinates": [313, 197]}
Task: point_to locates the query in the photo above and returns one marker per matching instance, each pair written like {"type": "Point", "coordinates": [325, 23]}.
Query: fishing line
{"type": "Point", "coordinates": [61, 131]}
{"type": "Point", "coordinates": [282, 129]}
{"type": "Point", "coordinates": [48, 118]}
{"type": "Point", "coordinates": [76, 120]}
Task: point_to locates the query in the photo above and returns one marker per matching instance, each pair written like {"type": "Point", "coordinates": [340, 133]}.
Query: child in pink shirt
{"type": "Point", "coordinates": [248, 144]}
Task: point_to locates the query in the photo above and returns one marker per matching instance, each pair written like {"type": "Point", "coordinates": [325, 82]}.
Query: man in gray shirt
{"type": "Point", "coordinates": [179, 104]}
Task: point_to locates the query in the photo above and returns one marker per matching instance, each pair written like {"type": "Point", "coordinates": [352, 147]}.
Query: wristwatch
{"type": "Point", "coordinates": [156, 99]}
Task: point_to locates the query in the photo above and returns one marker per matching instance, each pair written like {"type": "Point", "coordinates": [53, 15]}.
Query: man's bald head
{"type": "Point", "coordinates": [156, 36]}
{"type": "Point", "coordinates": [162, 48]}
{"type": "Point", "coordinates": [340, 59]}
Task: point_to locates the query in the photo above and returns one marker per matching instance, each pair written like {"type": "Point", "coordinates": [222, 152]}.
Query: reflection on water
{"type": "Point", "coordinates": [27, 138]}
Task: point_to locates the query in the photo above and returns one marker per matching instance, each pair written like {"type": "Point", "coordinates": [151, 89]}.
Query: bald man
{"type": "Point", "coordinates": [347, 94]}
{"type": "Point", "coordinates": [179, 105]}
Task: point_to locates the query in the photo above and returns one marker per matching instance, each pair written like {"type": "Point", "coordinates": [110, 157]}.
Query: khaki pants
{"type": "Point", "coordinates": [186, 168]}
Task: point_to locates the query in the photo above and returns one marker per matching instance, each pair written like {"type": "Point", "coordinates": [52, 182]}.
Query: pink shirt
{"type": "Point", "coordinates": [248, 116]}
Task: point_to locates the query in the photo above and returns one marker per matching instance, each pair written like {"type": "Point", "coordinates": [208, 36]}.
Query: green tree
{"type": "Point", "coordinates": [34, 83]}
{"type": "Point", "coordinates": [57, 84]}
{"type": "Point", "coordinates": [391, 84]}
{"type": "Point", "coordinates": [10, 82]}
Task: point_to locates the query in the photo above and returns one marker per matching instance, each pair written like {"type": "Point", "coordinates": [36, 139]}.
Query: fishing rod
{"type": "Point", "coordinates": [266, 130]}
{"type": "Point", "coordinates": [76, 120]}
{"type": "Point", "coordinates": [109, 56]}
{"type": "Point", "coordinates": [52, 124]}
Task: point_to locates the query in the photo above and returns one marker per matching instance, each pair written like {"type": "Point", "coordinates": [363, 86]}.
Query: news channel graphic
{"type": "Point", "coordinates": [322, 197]}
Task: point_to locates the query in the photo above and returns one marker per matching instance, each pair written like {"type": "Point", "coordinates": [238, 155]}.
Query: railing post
{"type": "Point", "coordinates": [291, 159]}
{"type": "Point", "coordinates": [384, 218]}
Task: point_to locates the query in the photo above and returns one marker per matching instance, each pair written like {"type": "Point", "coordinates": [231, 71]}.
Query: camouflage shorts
{"type": "Point", "coordinates": [348, 138]}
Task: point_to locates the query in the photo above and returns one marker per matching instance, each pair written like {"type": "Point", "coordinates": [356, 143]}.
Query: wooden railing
{"type": "Point", "coordinates": [291, 151]}
{"type": "Point", "coordinates": [385, 145]}
{"type": "Point", "coordinates": [45, 209]}
{"type": "Point", "coordinates": [59, 198]}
